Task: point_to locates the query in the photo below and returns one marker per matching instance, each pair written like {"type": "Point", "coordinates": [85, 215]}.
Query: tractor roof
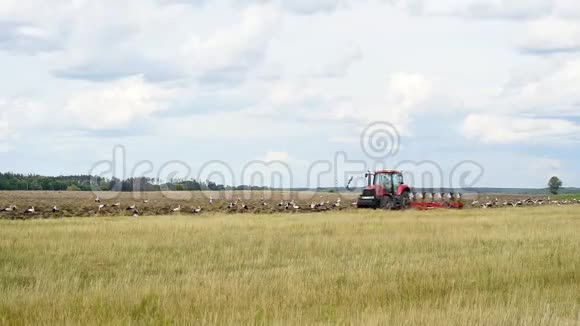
{"type": "Point", "coordinates": [387, 171]}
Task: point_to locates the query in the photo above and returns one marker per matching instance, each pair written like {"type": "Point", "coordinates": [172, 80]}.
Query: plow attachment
{"type": "Point", "coordinates": [435, 205]}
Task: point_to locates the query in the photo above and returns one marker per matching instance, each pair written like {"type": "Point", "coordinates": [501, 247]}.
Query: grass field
{"type": "Point", "coordinates": [487, 267]}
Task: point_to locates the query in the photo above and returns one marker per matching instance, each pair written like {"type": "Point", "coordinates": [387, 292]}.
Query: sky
{"type": "Point", "coordinates": [485, 91]}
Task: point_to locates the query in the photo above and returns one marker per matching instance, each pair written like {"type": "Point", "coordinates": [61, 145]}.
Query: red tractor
{"type": "Point", "coordinates": [385, 189]}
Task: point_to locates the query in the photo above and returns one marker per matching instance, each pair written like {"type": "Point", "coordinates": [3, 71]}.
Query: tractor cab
{"type": "Point", "coordinates": [385, 189]}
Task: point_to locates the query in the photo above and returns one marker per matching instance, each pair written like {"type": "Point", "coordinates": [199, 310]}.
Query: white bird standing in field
{"type": "Point", "coordinates": [116, 204]}
{"type": "Point", "coordinates": [29, 211]}
{"type": "Point", "coordinates": [337, 203]}
{"type": "Point", "coordinates": [177, 209]}
{"type": "Point", "coordinates": [132, 207]}
{"type": "Point", "coordinates": [10, 208]}
{"type": "Point", "coordinates": [54, 209]}
{"type": "Point", "coordinates": [102, 206]}
{"type": "Point", "coordinates": [197, 210]}
{"type": "Point", "coordinates": [98, 199]}
{"type": "Point", "coordinates": [210, 200]}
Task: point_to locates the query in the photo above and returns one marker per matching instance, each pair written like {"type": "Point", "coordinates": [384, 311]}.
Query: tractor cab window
{"type": "Point", "coordinates": [383, 179]}
{"type": "Point", "coordinates": [397, 179]}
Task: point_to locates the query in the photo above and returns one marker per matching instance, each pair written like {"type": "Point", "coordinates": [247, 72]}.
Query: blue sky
{"type": "Point", "coordinates": [496, 82]}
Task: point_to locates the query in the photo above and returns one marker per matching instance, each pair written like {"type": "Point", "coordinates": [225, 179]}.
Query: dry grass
{"type": "Point", "coordinates": [488, 267]}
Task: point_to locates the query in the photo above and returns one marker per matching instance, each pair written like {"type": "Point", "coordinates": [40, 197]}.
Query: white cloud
{"type": "Point", "coordinates": [160, 40]}
{"type": "Point", "coordinates": [236, 46]}
{"type": "Point", "coordinates": [400, 99]}
{"type": "Point", "coordinates": [506, 129]}
{"type": "Point", "coordinates": [552, 36]}
{"type": "Point", "coordinates": [312, 6]}
{"type": "Point", "coordinates": [276, 156]}
{"type": "Point", "coordinates": [552, 93]}
{"type": "Point", "coordinates": [30, 39]}
{"type": "Point", "coordinates": [486, 9]}
{"type": "Point", "coordinates": [340, 65]}
{"type": "Point", "coordinates": [20, 117]}
{"type": "Point", "coordinates": [117, 104]}
{"type": "Point", "coordinates": [567, 9]}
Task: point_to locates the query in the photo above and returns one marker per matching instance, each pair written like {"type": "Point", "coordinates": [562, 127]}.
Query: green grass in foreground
{"type": "Point", "coordinates": [488, 267]}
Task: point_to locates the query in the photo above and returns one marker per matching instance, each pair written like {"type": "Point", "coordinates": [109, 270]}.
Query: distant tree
{"type": "Point", "coordinates": [212, 185]}
{"type": "Point", "coordinates": [35, 185]}
{"type": "Point", "coordinates": [554, 184]}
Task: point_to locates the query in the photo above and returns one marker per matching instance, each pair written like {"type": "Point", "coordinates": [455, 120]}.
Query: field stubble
{"type": "Point", "coordinates": [491, 267]}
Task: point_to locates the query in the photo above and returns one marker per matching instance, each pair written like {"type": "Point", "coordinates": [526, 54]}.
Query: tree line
{"type": "Point", "coordinates": [15, 181]}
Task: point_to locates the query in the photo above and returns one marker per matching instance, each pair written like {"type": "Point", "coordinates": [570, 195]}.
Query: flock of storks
{"type": "Point", "coordinates": [490, 203]}
{"type": "Point", "coordinates": [322, 205]}
{"type": "Point", "coordinates": [237, 205]}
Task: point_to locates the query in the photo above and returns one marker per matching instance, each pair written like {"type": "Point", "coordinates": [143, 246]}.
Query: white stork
{"type": "Point", "coordinates": [10, 208]}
